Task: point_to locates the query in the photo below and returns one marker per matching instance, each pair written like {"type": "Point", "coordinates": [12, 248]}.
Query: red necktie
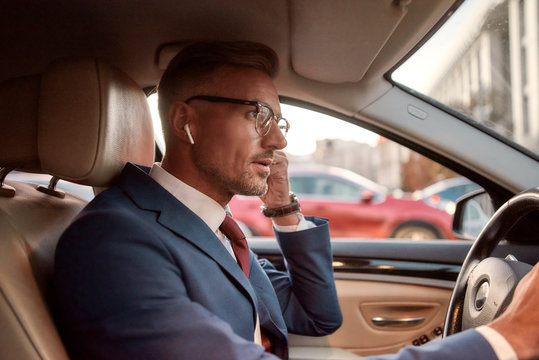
{"type": "Point", "coordinates": [239, 245]}
{"type": "Point", "coordinates": [232, 231]}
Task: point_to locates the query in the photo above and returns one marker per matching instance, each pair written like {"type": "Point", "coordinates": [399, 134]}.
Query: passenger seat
{"type": "Point", "coordinates": [80, 120]}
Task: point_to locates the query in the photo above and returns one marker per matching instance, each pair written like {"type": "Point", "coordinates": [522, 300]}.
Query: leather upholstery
{"type": "Point", "coordinates": [28, 236]}
{"type": "Point", "coordinates": [80, 120]}
{"type": "Point", "coordinates": [76, 139]}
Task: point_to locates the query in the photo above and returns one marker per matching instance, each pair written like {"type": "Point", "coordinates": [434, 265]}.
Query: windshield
{"type": "Point", "coordinates": [484, 63]}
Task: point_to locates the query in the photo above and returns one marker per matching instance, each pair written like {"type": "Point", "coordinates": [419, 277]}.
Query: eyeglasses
{"type": "Point", "coordinates": [263, 116]}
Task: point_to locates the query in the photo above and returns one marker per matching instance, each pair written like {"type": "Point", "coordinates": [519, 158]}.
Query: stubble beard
{"type": "Point", "coordinates": [250, 184]}
{"type": "Point", "coordinates": [247, 183]}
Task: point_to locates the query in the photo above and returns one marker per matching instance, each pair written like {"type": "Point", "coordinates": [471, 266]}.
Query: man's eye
{"type": "Point", "coordinates": [253, 114]}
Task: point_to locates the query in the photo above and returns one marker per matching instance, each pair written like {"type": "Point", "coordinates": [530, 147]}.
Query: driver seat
{"type": "Point", "coordinates": [80, 120]}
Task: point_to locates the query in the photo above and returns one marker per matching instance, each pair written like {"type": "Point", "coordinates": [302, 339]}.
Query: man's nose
{"type": "Point", "coordinates": [274, 139]}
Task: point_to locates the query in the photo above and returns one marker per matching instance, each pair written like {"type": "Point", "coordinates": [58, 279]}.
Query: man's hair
{"type": "Point", "coordinates": [196, 63]}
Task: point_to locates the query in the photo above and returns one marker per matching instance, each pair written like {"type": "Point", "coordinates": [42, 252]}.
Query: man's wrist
{"type": "Point", "coordinates": [285, 221]}
{"type": "Point", "coordinates": [283, 211]}
{"type": "Point", "coordinates": [500, 345]}
{"type": "Point", "coordinates": [303, 224]}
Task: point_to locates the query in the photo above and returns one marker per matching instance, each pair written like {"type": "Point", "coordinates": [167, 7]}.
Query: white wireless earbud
{"type": "Point", "coordinates": [188, 131]}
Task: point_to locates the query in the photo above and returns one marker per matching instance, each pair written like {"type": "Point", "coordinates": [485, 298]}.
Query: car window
{"type": "Point", "coordinates": [336, 188]}
{"type": "Point", "coordinates": [483, 63]}
{"type": "Point", "coordinates": [366, 185]}
{"type": "Point", "coordinates": [455, 192]}
{"type": "Point", "coordinates": [379, 179]}
{"type": "Point", "coordinates": [324, 186]}
{"type": "Point", "coordinates": [157, 128]}
{"type": "Point", "coordinates": [298, 185]}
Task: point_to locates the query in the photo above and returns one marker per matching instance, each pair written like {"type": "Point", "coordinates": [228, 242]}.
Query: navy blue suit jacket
{"type": "Point", "coordinates": [140, 276]}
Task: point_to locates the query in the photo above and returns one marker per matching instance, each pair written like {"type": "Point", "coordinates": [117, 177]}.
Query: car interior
{"type": "Point", "coordinates": [74, 82]}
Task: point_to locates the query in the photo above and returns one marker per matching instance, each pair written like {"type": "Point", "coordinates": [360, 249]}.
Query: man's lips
{"type": "Point", "coordinates": [264, 164]}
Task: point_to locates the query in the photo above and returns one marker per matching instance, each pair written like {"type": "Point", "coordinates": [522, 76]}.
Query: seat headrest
{"type": "Point", "coordinates": [81, 120]}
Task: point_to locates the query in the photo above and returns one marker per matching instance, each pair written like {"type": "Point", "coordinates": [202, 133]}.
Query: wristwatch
{"type": "Point", "coordinates": [291, 208]}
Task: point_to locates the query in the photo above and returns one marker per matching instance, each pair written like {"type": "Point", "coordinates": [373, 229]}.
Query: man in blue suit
{"type": "Point", "coordinates": [145, 271]}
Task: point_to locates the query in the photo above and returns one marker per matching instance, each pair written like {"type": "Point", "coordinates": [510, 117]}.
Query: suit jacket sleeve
{"type": "Point", "coordinates": [467, 345]}
{"type": "Point", "coordinates": [306, 293]}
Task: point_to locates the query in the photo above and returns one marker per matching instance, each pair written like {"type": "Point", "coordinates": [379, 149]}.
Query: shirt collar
{"type": "Point", "coordinates": [211, 212]}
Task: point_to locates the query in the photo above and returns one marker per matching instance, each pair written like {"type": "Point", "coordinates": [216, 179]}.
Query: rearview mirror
{"type": "Point", "coordinates": [472, 212]}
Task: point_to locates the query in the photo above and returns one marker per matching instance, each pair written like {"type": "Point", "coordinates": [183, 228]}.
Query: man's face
{"type": "Point", "coordinates": [229, 154]}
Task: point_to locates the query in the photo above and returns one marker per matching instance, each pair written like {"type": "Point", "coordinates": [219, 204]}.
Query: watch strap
{"type": "Point", "coordinates": [288, 209]}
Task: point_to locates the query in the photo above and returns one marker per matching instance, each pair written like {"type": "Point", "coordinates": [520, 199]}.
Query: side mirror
{"type": "Point", "coordinates": [366, 196]}
{"type": "Point", "coordinates": [472, 212]}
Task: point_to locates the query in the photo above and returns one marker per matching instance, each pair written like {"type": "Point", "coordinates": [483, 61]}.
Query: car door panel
{"type": "Point", "coordinates": [401, 280]}
{"type": "Point", "coordinates": [362, 301]}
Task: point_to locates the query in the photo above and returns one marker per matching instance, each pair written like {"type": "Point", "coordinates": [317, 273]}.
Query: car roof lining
{"type": "Point", "coordinates": [127, 35]}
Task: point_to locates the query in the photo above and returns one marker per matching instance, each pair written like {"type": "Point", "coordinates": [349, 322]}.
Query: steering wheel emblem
{"type": "Point", "coordinates": [481, 296]}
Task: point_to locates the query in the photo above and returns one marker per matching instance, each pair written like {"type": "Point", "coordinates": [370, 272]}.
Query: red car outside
{"type": "Point", "coordinates": [355, 206]}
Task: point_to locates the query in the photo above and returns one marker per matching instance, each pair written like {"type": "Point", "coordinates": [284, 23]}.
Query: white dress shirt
{"type": "Point", "coordinates": [503, 350]}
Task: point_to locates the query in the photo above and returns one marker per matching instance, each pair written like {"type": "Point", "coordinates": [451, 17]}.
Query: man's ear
{"type": "Point", "coordinates": [179, 116]}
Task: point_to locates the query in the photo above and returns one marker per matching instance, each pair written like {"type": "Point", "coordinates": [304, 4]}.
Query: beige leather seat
{"type": "Point", "coordinates": [80, 120]}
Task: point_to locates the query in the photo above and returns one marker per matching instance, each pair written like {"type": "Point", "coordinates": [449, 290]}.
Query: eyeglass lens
{"type": "Point", "coordinates": [264, 121]}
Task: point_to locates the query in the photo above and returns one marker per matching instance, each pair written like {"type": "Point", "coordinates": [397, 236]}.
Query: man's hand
{"type": "Point", "coordinates": [278, 193]}
{"type": "Point", "coordinates": [519, 324]}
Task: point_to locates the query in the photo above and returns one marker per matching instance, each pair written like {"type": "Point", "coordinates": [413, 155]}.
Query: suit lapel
{"type": "Point", "coordinates": [147, 194]}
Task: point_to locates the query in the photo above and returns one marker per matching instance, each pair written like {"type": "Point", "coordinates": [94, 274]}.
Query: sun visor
{"type": "Point", "coordinates": [317, 26]}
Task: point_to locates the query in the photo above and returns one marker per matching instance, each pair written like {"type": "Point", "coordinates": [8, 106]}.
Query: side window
{"type": "Point", "coordinates": [157, 128]}
{"type": "Point", "coordinates": [382, 189]}
{"type": "Point", "coordinates": [301, 185]}
{"type": "Point", "coordinates": [335, 188]}
{"type": "Point", "coordinates": [320, 185]}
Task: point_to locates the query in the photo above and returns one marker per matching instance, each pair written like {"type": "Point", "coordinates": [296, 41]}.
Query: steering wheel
{"type": "Point", "coordinates": [485, 285]}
